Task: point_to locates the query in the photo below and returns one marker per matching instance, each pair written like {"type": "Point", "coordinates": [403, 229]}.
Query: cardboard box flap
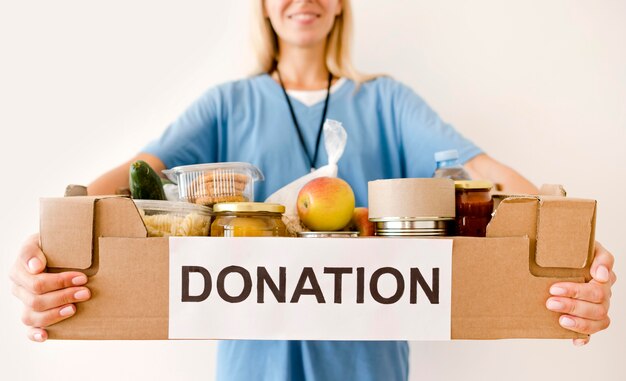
{"type": "Point", "coordinates": [560, 230]}
{"type": "Point", "coordinates": [515, 217]}
{"type": "Point", "coordinates": [66, 227]}
{"type": "Point", "coordinates": [70, 226]}
{"type": "Point", "coordinates": [118, 217]}
{"type": "Point", "coordinates": [565, 232]}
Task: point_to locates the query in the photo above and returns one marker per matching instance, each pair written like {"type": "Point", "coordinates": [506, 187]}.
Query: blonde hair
{"type": "Point", "coordinates": [338, 44]}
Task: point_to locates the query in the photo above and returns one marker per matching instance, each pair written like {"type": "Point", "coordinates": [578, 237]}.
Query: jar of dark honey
{"type": "Point", "coordinates": [474, 207]}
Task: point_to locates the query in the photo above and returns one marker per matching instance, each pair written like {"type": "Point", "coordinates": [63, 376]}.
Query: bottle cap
{"type": "Point", "coordinates": [446, 155]}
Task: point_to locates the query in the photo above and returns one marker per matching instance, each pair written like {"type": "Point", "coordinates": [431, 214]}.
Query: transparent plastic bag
{"type": "Point", "coordinates": [335, 138]}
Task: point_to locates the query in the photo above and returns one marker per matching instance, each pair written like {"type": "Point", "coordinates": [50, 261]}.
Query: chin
{"type": "Point", "coordinates": [307, 40]}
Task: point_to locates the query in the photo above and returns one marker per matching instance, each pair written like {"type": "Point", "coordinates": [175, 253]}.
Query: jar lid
{"type": "Point", "coordinates": [472, 184]}
{"type": "Point", "coordinates": [248, 207]}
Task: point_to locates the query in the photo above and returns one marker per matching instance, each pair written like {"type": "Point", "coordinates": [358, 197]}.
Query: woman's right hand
{"type": "Point", "coordinates": [48, 297]}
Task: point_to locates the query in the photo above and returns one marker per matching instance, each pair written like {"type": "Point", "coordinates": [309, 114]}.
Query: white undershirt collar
{"type": "Point", "coordinates": [311, 97]}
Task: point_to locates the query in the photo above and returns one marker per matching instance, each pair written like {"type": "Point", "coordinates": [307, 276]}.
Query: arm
{"type": "Point", "coordinates": [51, 297]}
{"type": "Point", "coordinates": [117, 178]}
{"type": "Point", "coordinates": [584, 306]}
{"type": "Point", "coordinates": [486, 168]}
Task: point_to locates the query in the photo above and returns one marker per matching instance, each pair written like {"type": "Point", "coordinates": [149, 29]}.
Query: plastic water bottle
{"type": "Point", "coordinates": [448, 166]}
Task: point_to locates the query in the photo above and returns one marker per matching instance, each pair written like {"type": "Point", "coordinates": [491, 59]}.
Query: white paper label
{"type": "Point", "coordinates": [310, 288]}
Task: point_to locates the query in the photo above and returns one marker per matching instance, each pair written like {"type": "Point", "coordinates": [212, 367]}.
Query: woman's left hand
{"type": "Point", "coordinates": [585, 306]}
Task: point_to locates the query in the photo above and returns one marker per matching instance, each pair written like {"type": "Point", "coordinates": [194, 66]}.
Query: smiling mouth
{"type": "Point", "coordinates": [304, 16]}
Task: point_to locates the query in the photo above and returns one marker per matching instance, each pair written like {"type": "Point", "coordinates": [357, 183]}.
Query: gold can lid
{"type": "Point", "coordinates": [472, 184]}
{"type": "Point", "coordinates": [249, 207]}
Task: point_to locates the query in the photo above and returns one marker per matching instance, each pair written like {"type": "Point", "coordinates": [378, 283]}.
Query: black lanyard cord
{"type": "Point", "coordinates": [295, 121]}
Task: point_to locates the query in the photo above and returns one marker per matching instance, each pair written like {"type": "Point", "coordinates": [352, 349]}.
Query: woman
{"type": "Point", "coordinates": [273, 120]}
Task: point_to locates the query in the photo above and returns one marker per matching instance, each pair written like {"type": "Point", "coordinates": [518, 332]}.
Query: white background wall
{"type": "Point", "coordinates": [540, 85]}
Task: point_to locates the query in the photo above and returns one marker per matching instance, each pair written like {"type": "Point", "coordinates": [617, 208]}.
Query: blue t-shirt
{"type": "Point", "coordinates": [392, 133]}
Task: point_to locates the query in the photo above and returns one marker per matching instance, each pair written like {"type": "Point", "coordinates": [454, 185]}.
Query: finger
{"type": "Point", "coordinates": [601, 274]}
{"type": "Point", "coordinates": [602, 264]}
{"type": "Point", "coordinates": [581, 342]}
{"type": "Point", "coordinates": [581, 325]}
{"type": "Point", "coordinates": [40, 303]}
{"type": "Point", "coordinates": [46, 282]}
{"type": "Point", "coordinates": [591, 292]}
{"type": "Point", "coordinates": [31, 257]}
{"type": "Point", "coordinates": [578, 308]}
{"type": "Point", "coordinates": [49, 317]}
{"type": "Point", "coordinates": [37, 334]}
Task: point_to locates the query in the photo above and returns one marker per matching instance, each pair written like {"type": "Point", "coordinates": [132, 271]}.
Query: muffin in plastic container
{"type": "Point", "coordinates": [174, 218]}
{"type": "Point", "coordinates": [208, 184]}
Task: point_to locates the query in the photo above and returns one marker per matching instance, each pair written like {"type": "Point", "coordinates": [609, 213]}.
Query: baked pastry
{"type": "Point", "coordinates": [218, 186]}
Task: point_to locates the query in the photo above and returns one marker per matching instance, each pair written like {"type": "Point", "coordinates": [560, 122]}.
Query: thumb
{"type": "Point", "coordinates": [32, 257]}
{"type": "Point", "coordinates": [602, 264]}
{"type": "Point", "coordinates": [601, 274]}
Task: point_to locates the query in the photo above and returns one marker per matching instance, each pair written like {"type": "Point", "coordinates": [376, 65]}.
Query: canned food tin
{"type": "Point", "coordinates": [434, 226]}
{"type": "Point", "coordinates": [386, 233]}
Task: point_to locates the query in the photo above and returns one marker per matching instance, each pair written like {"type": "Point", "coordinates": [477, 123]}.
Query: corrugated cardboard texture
{"type": "Point", "coordinates": [498, 289]}
{"type": "Point", "coordinates": [560, 218]}
{"type": "Point", "coordinates": [495, 296]}
{"type": "Point", "coordinates": [66, 231]}
{"type": "Point", "coordinates": [130, 294]}
{"type": "Point", "coordinates": [545, 190]}
{"type": "Point", "coordinates": [516, 217]}
{"type": "Point", "coordinates": [411, 198]}
{"type": "Point", "coordinates": [568, 252]}
{"type": "Point", "coordinates": [118, 217]}
{"type": "Point", "coordinates": [70, 246]}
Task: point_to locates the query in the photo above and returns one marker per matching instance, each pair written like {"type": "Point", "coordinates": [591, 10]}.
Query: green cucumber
{"type": "Point", "coordinates": [145, 183]}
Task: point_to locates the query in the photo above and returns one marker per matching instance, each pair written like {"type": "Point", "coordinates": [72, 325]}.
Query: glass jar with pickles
{"type": "Point", "coordinates": [248, 219]}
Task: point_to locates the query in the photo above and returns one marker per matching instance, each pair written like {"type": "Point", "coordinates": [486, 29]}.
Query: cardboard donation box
{"type": "Point", "coordinates": [318, 289]}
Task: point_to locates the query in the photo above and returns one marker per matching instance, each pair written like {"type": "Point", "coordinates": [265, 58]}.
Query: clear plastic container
{"type": "Point", "coordinates": [248, 219]}
{"type": "Point", "coordinates": [448, 166]}
{"type": "Point", "coordinates": [174, 218]}
{"type": "Point", "coordinates": [208, 184]}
